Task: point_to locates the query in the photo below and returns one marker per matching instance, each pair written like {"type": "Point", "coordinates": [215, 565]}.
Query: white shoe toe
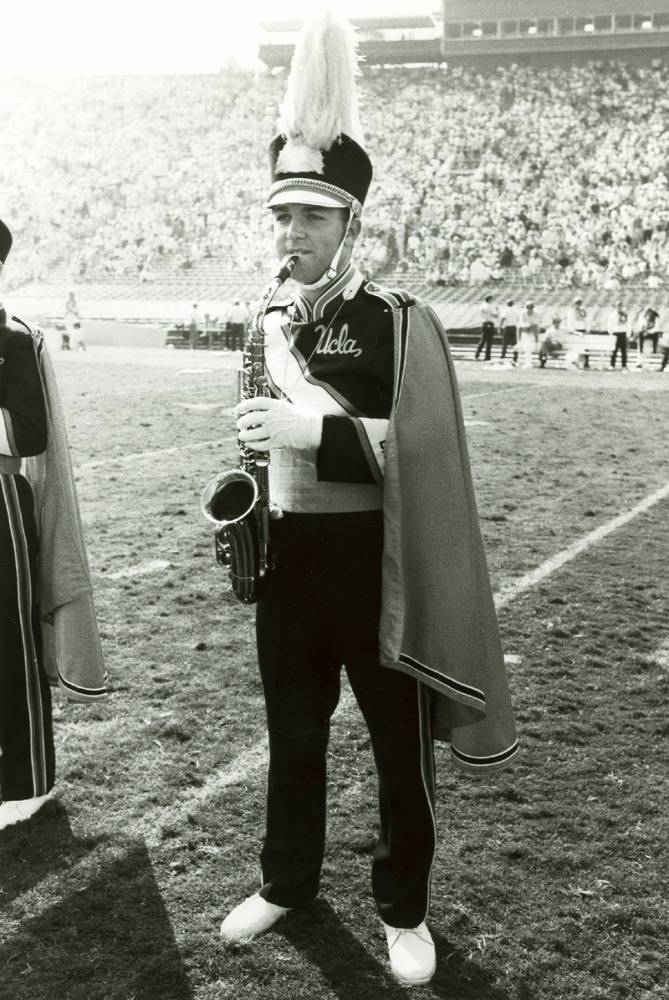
{"type": "Point", "coordinates": [412, 953]}
{"type": "Point", "coordinates": [249, 919]}
{"type": "Point", "coordinates": [18, 810]}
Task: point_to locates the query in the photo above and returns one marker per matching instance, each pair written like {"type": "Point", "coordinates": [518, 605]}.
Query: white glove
{"type": "Point", "coordinates": [266, 423]}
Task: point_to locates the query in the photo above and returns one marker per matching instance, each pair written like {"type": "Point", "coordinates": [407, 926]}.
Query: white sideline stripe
{"type": "Point", "coordinates": [237, 771]}
{"type": "Point", "coordinates": [139, 455]}
{"type": "Point", "coordinates": [35, 901]}
{"type": "Point", "coordinates": [491, 392]}
{"type": "Point", "coordinates": [550, 566]}
{"type": "Point", "coordinates": [660, 656]}
{"type": "Point", "coordinates": [245, 763]}
{"type": "Point", "coordinates": [140, 569]}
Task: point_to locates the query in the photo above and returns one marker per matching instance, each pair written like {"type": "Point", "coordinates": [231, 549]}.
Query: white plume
{"type": "Point", "coordinates": [296, 158]}
{"type": "Point", "coordinates": [321, 101]}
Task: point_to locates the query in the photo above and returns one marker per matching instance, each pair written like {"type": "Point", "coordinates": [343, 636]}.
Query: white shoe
{"type": "Point", "coordinates": [412, 954]}
{"type": "Point", "coordinates": [17, 810]}
{"type": "Point", "coordinates": [252, 917]}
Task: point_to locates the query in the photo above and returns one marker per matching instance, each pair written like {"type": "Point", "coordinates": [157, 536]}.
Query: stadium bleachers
{"type": "Point", "coordinates": [532, 181]}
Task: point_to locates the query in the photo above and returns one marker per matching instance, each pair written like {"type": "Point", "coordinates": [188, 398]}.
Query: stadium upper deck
{"type": "Point", "coordinates": [477, 30]}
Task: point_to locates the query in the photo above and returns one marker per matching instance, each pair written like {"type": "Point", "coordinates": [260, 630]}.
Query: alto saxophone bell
{"type": "Point", "coordinates": [229, 497]}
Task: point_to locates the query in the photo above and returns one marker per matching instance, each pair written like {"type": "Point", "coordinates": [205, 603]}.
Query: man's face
{"type": "Point", "coordinates": [311, 232]}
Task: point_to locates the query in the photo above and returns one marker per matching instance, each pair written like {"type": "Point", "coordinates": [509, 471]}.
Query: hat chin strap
{"type": "Point", "coordinates": [331, 271]}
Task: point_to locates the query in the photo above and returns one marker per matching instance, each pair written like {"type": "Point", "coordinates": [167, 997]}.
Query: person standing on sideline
{"type": "Point", "coordinates": [369, 467]}
{"type": "Point", "coordinates": [73, 327]}
{"type": "Point", "coordinates": [237, 320]}
{"type": "Point", "coordinates": [194, 327]}
{"type": "Point", "coordinates": [664, 347]}
{"type": "Point", "coordinates": [47, 622]}
{"type": "Point", "coordinates": [528, 333]}
{"type": "Point", "coordinates": [508, 324]}
{"type": "Point", "coordinates": [489, 319]}
{"type": "Point", "coordinates": [619, 328]}
{"type": "Point", "coordinates": [647, 327]}
{"type": "Point", "coordinates": [577, 326]}
{"type": "Point", "coordinates": [75, 334]}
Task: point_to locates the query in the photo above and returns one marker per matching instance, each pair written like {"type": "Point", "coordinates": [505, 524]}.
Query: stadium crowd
{"type": "Point", "coordinates": [558, 171]}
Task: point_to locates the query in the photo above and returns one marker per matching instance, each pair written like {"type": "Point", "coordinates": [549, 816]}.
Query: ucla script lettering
{"type": "Point", "coordinates": [339, 343]}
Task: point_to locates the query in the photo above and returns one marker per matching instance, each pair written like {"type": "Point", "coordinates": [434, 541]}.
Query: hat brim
{"type": "Point", "coordinates": [297, 195]}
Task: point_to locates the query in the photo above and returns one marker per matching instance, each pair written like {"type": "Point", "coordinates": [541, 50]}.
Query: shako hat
{"type": "Point", "coordinates": [317, 158]}
{"type": "Point", "coordinates": [5, 241]}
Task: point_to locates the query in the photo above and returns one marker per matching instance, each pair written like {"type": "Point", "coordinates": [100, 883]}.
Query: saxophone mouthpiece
{"type": "Point", "coordinates": [286, 267]}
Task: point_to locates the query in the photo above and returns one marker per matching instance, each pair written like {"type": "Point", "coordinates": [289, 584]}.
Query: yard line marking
{"type": "Point", "coordinates": [238, 770]}
{"type": "Point", "coordinates": [158, 453]}
{"type": "Point", "coordinates": [204, 407]}
{"type": "Point", "coordinates": [492, 392]}
{"type": "Point", "coordinates": [253, 758]}
{"type": "Point", "coordinates": [35, 902]}
{"type": "Point", "coordinates": [660, 656]}
{"type": "Point", "coordinates": [550, 566]}
{"type": "Point", "coordinates": [140, 569]}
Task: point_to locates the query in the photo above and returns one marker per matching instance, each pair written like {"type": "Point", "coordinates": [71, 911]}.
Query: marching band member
{"type": "Point", "coordinates": [578, 326]}
{"type": "Point", "coordinates": [42, 556]}
{"type": "Point", "coordinates": [379, 560]}
{"type": "Point", "coordinates": [528, 333]}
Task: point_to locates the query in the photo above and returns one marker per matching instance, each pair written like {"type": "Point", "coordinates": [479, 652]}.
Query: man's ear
{"type": "Point", "coordinates": [354, 230]}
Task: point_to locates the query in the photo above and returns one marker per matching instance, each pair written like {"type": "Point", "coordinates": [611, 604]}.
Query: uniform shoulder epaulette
{"type": "Point", "coordinates": [395, 297]}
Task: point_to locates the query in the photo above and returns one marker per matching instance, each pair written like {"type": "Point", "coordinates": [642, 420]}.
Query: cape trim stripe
{"type": "Point", "coordinates": [404, 341]}
{"type": "Point", "coordinates": [486, 761]}
{"type": "Point", "coordinates": [443, 680]}
{"type": "Point", "coordinates": [427, 776]}
{"type": "Point", "coordinates": [82, 691]}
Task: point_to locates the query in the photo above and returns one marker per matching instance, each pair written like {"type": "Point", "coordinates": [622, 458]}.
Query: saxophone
{"type": "Point", "coordinates": [237, 502]}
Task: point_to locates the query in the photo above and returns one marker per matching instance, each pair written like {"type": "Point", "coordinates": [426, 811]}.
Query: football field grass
{"type": "Point", "coordinates": [551, 878]}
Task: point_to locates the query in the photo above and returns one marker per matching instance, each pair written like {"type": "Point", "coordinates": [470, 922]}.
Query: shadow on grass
{"type": "Point", "coordinates": [458, 978]}
{"type": "Point", "coordinates": [353, 974]}
{"type": "Point", "coordinates": [31, 851]}
{"type": "Point", "coordinates": [317, 933]}
{"type": "Point", "coordinates": [108, 938]}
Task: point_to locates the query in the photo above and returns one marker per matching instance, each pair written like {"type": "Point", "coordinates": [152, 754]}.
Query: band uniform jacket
{"type": "Point", "coordinates": [377, 365]}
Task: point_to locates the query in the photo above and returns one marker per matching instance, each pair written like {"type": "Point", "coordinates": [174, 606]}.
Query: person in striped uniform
{"type": "Point", "coordinates": [27, 418]}
{"type": "Point", "coordinates": [26, 734]}
{"type": "Point", "coordinates": [364, 429]}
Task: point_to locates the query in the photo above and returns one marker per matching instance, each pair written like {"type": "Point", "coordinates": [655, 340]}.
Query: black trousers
{"type": "Point", "coordinates": [26, 735]}
{"type": "Point", "coordinates": [620, 345]}
{"type": "Point", "coordinates": [237, 331]}
{"type": "Point", "coordinates": [487, 333]}
{"type": "Point", "coordinates": [321, 611]}
{"type": "Point", "coordinates": [653, 336]}
{"type": "Point", "coordinates": [509, 338]}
